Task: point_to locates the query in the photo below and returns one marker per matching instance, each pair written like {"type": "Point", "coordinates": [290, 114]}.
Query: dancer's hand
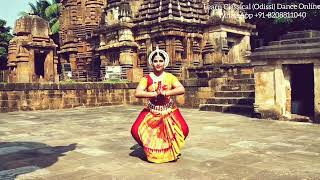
{"type": "Point", "coordinates": [158, 91]}
{"type": "Point", "coordinates": [163, 93]}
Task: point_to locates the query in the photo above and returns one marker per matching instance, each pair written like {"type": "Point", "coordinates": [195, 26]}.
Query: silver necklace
{"type": "Point", "coordinates": [156, 79]}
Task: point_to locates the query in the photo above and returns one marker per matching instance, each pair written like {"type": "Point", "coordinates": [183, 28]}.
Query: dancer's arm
{"type": "Point", "coordinates": [178, 89]}
{"type": "Point", "coordinates": [142, 93]}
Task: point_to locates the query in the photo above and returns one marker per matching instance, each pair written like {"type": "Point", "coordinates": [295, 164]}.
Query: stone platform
{"type": "Point", "coordinates": [95, 143]}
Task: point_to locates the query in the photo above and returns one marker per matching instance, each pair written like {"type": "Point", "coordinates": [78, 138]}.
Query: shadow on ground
{"type": "Point", "coordinates": [138, 152]}
{"type": "Point", "coordinates": [24, 157]}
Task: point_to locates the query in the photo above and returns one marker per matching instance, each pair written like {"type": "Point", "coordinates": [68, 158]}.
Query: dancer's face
{"type": "Point", "coordinates": [158, 64]}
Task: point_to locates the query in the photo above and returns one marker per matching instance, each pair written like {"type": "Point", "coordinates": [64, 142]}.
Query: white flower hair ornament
{"type": "Point", "coordinates": [161, 53]}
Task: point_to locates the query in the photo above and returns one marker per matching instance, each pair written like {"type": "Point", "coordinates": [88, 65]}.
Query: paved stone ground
{"type": "Point", "coordinates": [95, 143]}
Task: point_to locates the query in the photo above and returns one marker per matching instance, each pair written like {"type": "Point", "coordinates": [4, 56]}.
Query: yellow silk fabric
{"type": "Point", "coordinates": [168, 81]}
{"type": "Point", "coordinates": [162, 137]}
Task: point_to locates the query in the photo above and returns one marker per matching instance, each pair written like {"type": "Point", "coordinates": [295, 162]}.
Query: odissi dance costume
{"type": "Point", "coordinates": [160, 128]}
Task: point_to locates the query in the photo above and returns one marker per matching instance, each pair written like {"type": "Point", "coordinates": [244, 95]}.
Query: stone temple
{"type": "Point", "coordinates": [32, 54]}
{"type": "Point", "coordinates": [97, 34]}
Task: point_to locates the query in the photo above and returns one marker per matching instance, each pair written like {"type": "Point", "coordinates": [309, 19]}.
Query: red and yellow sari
{"type": "Point", "coordinates": [160, 129]}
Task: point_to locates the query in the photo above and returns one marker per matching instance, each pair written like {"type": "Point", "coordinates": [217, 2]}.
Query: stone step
{"type": "Point", "coordinates": [243, 76]}
{"type": "Point", "coordinates": [234, 94]}
{"type": "Point", "coordinates": [290, 43]}
{"type": "Point", "coordinates": [231, 100]}
{"type": "Point", "coordinates": [234, 82]}
{"type": "Point", "coordinates": [299, 118]}
{"type": "Point", "coordinates": [244, 87]}
{"type": "Point", "coordinates": [230, 108]}
{"type": "Point", "coordinates": [300, 34]}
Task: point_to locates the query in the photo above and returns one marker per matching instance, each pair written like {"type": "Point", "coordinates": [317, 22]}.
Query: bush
{"type": "Point", "coordinates": [115, 81]}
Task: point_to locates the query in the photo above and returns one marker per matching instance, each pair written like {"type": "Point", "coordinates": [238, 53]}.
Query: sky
{"type": "Point", "coordinates": [9, 10]}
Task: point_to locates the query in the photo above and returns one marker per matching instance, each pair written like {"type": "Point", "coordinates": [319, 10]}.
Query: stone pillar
{"type": "Point", "coordinates": [23, 73]}
{"type": "Point", "coordinates": [208, 53]}
{"type": "Point", "coordinates": [142, 55]}
{"type": "Point", "coordinates": [317, 93]}
{"type": "Point", "coordinates": [55, 72]}
{"type": "Point", "coordinates": [178, 49]}
{"type": "Point", "coordinates": [73, 62]}
{"type": "Point", "coordinates": [134, 74]}
{"type": "Point", "coordinates": [31, 65]}
{"type": "Point", "coordinates": [188, 51]}
{"type": "Point", "coordinates": [128, 57]}
{"type": "Point", "coordinates": [287, 89]}
{"type": "Point", "coordinates": [220, 41]}
{"type": "Point", "coordinates": [103, 58]}
{"type": "Point", "coordinates": [128, 60]}
{"type": "Point", "coordinates": [24, 60]}
{"type": "Point", "coordinates": [48, 66]}
{"type": "Point", "coordinates": [170, 49]}
{"type": "Point", "coordinates": [246, 49]}
{"type": "Point", "coordinates": [148, 47]}
{"type": "Point", "coordinates": [265, 92]}
{"type": "Point", "coordinates": [280, 90]}
{"type": "Point", "coordinates": [196, 53]}
{"type": "Point", "coordinates": [234, 55]}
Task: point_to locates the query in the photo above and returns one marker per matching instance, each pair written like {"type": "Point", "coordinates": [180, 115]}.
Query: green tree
{"type": "Point", "coordinates": [50, 11]}
{"type": "Point", "coordinates": [5, 37]}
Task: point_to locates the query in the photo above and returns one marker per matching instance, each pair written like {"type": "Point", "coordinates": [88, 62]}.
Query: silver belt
{"type": "Point", "coordinates": [161, 109]}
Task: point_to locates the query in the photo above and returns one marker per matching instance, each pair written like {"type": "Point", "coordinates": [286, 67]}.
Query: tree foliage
{"type": "Point", "coordinates": [5, 37]}
{"type": "Point", "coordinates": [50, 11]}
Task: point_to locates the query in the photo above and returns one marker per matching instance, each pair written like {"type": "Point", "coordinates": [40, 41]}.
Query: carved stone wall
{"type": "Point", "coordinates": [35, 96]}
{"type": "Point", "coordinates": [97, 33]}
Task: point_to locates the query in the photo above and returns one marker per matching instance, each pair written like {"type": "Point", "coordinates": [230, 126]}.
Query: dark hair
{"type": "Point", "coordinates": [155, 54]}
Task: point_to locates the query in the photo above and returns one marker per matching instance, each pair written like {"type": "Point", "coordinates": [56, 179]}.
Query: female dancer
{"type": "Point", "coordinates": [160, 129]}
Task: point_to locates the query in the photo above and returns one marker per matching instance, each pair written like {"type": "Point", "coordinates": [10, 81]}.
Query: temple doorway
{"type": "Point", "coordinates": [302, 89]}
{"type": "Point", "coordinates": [39, 64]}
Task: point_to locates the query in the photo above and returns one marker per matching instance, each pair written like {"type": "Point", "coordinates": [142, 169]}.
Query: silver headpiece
{"type": "Point", "coordinates": [158, 51]}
